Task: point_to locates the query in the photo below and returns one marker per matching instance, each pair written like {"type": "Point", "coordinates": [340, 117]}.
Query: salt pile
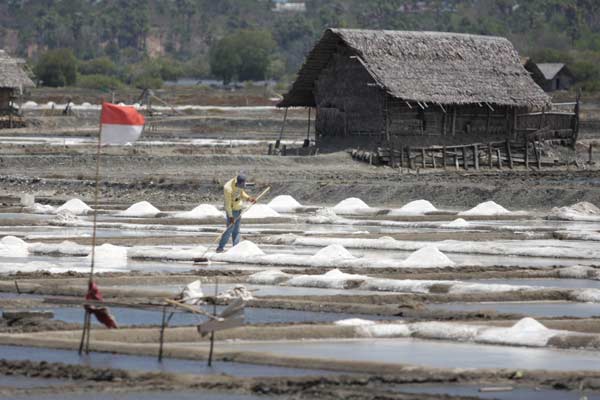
{"type": "Point", "coordinates": [587, 295]}
{"type": "Point", "coordinates": [579, 272]}
{"type": "Point", "coordinates": [457, 223]}
{"type": "Point", "coordinates": [203, 211]}
{"type": "Point", "coordinates": [384, 330]}
{"type": "Point", "coordinates": [30, 104]}
{"type": "Point", "coordinates": [428, 257]}
{"type": "Point", "coordinates": [334, 279]}
{"type": "Point", "coordinates": [354, 322]}
{"type": "Point", "coordinates": [351, 205]}
{"type": "Point", "coordinates": [284, 203]}
{"type": "Point", "coordinates": [236, 292]}
{"type": "Point", "coordinates": [261, 211]}
{"type": "Point", "coordinates": [75, 206]}
{"type": "Point", "coordinates": [269, 277]}
{"type": "Point", "coordinates": [11, 246]}
{"type": "Point", "coordinates": [161, 253]}
{"type": "Point", "coordinates": [415, 207]}
{"type": "Point", "coordinates": [141, 209]}
{"type": "Point", "coordinates": [38, 208]}
{"type": "Point", "coordinates": [245, 249]}
{"type": "Point", "coordinates": [526, 332]}
{"type": "Point", "coordinates": [65, 248]}
{"type": "Point", "coordinates": [325, 216]}
{"type": "Point", "coordinates": [110, 256]}
{"type": "Point", "coordinates": [333, 251]}
{"type": "Point", "coordinates": [582, 211]}
{"type": "Point", "coordinates": [488, 208]}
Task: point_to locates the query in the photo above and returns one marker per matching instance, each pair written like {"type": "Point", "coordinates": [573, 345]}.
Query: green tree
{"type": "Point", "coordinates": [244, 55]}
{"type": "Point", "coordinates": [57, 68]}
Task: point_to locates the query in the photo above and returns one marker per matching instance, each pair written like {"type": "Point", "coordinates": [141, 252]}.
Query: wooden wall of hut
{"type": "Point", "coordinates": [348, 101]}
{"type": "Point", "coordinates": [5, 97]}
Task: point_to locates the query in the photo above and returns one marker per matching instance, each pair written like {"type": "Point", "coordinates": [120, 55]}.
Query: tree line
{"type": "Point", "coordinates": [110, 42]}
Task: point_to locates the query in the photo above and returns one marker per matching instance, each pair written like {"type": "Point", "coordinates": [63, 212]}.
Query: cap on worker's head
{"type": "Point", "coordinates": [241, 181]}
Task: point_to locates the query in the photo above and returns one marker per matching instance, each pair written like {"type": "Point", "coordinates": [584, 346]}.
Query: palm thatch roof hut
{"type": "Point", "coordinates": [423, 87]}
{"type": "Point", "coordinates": [12, 78]}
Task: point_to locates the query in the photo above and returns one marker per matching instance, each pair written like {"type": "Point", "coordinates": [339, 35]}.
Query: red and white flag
{"type": "Point", "coordinates": [120, 124]}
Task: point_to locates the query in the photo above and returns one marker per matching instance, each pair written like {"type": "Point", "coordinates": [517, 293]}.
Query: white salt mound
{"type": "Point", "coordinates": [350, 205]}
{"type": "Point", "coordinates": [487, 208]}
{"type": "Point", "coordinates": [110, 255]}
{"type": "Point", "coordinates": [261, 211]}
{"type": "Point", "coordinates": [141, 209]}
{"type": "Point", "coordinates": [324, 216]}
{"type": "Point", "coordinates": [284, 203]}
{"type": "Point", "coordinates": [334, 279]}
{"type": "Point", "coordinates": [38, 208]}
{"type": "Point", "coordinates": [580, 211]}
{"type": "Point", "coordinates": [269, 277]}
{"type": "Point", "coordinates": [333, 251]}
{"type": "Point", "coordinates": [354, 322]}
{"type": "Point", "coordinates": [578, 272]}
{"type": "Point", "coordinates": [201, 212]}
{"type": "Point", "coordinates": [13, 243]}
{"type": "Point", "coordinates": [418, 207]}
{"type": "Point", "coordinates": [457, 223]}
{"type": "Point", "coordinates": [588, 295]}
{"type": "Point", "coordinates": [427, 257]}
{"type": "Point", "coordinates": [245, 249]}
{"type": "Point", "coordinates": [30, 104]}
{"type": "Point", "coordinates": [526, 332]}
{"type": "Point", "coordinates": [75, 207]}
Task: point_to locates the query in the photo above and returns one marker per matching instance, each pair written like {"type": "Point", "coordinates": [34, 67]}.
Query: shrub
{"type": "Point", "coordinates": [98, 81]}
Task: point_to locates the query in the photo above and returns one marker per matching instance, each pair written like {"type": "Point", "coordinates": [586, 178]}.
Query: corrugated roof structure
{"type": "Point", "coordinates": [11, 74]}
{"type": "Point", "coordinates": [432, 67]}
{"type": "Point", "coordinates": [549, 70]}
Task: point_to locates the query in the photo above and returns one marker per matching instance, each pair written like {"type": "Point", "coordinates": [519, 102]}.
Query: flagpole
{"type": "Point", "coordinates": [85, 337]}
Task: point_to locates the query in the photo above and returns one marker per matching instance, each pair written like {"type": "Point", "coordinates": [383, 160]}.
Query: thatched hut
{"type": "Point", "coordinates": [370, 87]}
{"type": "Point", "coordinates": [12, 81]}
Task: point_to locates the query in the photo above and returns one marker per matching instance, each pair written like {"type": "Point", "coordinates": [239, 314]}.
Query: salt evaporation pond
{"type": "Point", "coordinates": [515, 394]}
{"type": "Point", "coordinates": [130, 316]}
{"type": "Point", "coordinates": [158, 395]}
{"type": "Point", "coordinates": [436, 354]}
{"type": "Point", "coordinates": [565, 283]}
{"type": "Point", "coordinates": [144, 363]}
{"type": "Point", "coordinates": [257, 290]}
{"type": "Point", "coordinates": [531, 309]}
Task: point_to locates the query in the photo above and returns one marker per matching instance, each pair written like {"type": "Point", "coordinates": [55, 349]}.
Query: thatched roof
{"type": "Point", "coordinates": [432, 67]}
{"type": "Point", "coordinates": [11, 74]}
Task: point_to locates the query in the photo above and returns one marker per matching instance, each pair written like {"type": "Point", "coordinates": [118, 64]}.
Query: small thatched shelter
{"type": "Point", "coordinates": [371, 86]}
{"type": "Point", "coordinates": [12, 80]}
{"type": "Point", "coordinates": [551, 76]}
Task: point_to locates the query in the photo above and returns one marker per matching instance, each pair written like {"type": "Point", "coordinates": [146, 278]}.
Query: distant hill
{"type": "Point", "coordinates": [127, 31]}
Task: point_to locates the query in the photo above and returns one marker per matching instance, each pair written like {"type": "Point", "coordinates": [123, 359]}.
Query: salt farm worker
{"type": "Point", "coordinates": [234, 195]}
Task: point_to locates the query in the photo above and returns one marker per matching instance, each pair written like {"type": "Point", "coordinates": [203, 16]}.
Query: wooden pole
{"type": "Point", "coordinates": [499, 155]}
{"type": "Point", "coordinates": [84, 332]}
{"type": "Point", "coordinates": [444, 156]}
{"type": "Point", "coordinates": [538, 155]}
{"type": "Point", "coordinates": [590, 156]}
{"type": "Point", "coordinates": [423, 157]}
{"type": "Point", "coordinates": [162, 333]}
{"type": "Point", "coordinates": [526, 154]}
{"type": "Point", "coordinates": [212, 333]}
{"type": "Point", "coordinates": [509, 155]}
{"type": "Point", "coordinates": [278, 142]}
{"type": "Point", "coordinates": [464, 154]}
{"type": "Point", "coordinates": [410, 160]}
{"type": "Point", "coordinates": [453, 120]}
{"type": "Point", "coordinates": [476, 157]}
{"type": "Point", "coordinates": [490, 155]}
{"type": "Point", "coordinates": [402, 163]}
{"type": "Point", "coordinates": [433, 159]}
{"type": "Point", "coordinates": [308, 127]}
